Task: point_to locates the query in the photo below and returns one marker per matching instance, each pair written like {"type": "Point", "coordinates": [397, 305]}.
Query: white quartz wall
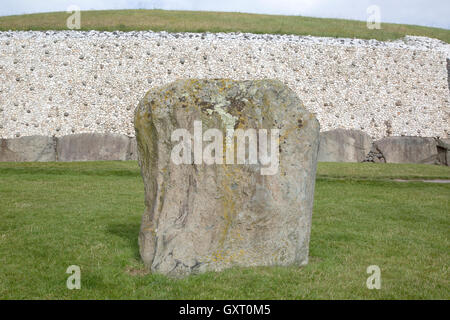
{"type": "Point", "coordinates": [58, 83]}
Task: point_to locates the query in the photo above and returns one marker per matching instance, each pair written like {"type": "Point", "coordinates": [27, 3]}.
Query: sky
{"type": "Point", "coordinates": [434, 13]}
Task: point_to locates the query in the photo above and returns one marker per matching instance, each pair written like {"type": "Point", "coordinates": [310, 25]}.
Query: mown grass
{"type": "Point", "coordinates": [385, 171]}
{"type": "Point", "coordinates": [53, 215]}
{"type": "Point", "coordinates": [201, 21]}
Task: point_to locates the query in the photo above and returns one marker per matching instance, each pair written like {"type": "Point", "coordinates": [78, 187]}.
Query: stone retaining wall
{"type": "Point", "coordinates": [356, 146]}
{"type": "Point", "coordinates": [335, 146]}
{"type": "Point", "coordinates": [76, 147]}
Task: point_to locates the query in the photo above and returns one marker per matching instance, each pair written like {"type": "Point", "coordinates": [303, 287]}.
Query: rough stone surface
{"type": "Point", "coordinates": [210, 217]}
{"type": "Point", "coordinates": [132, 153]}
{"type": "Point", "coordinates": [344, 146]}
{"type": "Point", "coordinates": [92, 146]}
{"type": "Point", "coordinates": [31, 148]}
{"type": "Point", "coordinates": [374, 155]}
{"type": "Point", "coordinates": [443, 149]}
{"type": "Point", "coordinates": [408, 150]}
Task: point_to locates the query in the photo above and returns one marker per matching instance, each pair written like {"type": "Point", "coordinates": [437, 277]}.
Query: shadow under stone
{"type": "Point", "coordinates": [129, 232]}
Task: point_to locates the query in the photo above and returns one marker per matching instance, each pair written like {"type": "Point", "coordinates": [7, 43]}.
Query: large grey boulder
{"type": "Point", "coordinates": [31, 148]}
{"type": "Point", "coordinates": [408, 149]}
{"type": "Point", "coordinates": [201, 217]}
{"type": "Point", "coordinates": [342, 145]}
{"type": "Point", "coordinates": [92, 146]}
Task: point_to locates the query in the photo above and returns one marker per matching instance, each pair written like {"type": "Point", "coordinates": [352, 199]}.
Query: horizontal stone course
{"type": "Point", "coordinates": [335, 146]}
{"type": "Point", "coordinates": [76, 147]}
{"type": "Point", "coordinates": [356, 146]}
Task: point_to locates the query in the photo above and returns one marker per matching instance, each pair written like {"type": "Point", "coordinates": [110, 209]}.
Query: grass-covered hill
{"type": "Point", "coordinates": [196, 21]}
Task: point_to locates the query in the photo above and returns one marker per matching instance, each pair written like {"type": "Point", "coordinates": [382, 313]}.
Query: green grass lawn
{"type": "Point", "coordinates": [201, 21]}
{"type": "Point", "coordinates": [53, 215]}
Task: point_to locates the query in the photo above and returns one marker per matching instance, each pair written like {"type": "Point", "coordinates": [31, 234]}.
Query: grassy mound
{"type": "Point", "coordinates": [201, 21]}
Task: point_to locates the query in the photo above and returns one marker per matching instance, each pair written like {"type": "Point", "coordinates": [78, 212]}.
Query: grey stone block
{"type": "Point", "coordinates": [408, 149]}
{"type": "Point", "coordinates": [443, 150]}
{"type": "Point", "coordinates": [133, 153]}
{"type": "Point", "coordinates": [342, 145]}
{"type": "Point", "coordinates": [92, 147]}
{"type": "Point", "coordinates": [31, 148]}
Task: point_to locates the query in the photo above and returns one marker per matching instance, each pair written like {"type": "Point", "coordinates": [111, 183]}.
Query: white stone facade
{"type": "Point", "coordinates": [58, 83]}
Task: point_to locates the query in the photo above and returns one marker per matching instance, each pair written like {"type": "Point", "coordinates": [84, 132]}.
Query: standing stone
{"type": "Point", "coordinates": [341, 145]}
{"type": "Point", "coordinates": [201, 217]}
{"type": "Point", "coordinates": [30, 148]}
